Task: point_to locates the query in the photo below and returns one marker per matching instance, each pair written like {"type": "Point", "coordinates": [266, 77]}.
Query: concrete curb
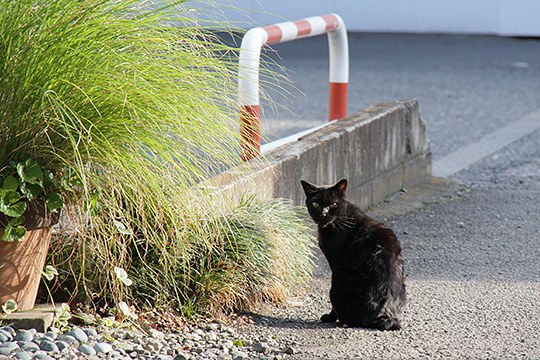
{"type": "Point", "coordinates": [41, 317]}
{"type": "Point", "coordinates": [380, 150]}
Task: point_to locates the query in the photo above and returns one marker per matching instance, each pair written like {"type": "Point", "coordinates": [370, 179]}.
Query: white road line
{"type": "Point", "coordinates": [470, 154]}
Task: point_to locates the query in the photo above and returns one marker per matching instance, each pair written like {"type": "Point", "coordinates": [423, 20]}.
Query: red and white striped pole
{"type": "Point", "coordinates": [248, 72]}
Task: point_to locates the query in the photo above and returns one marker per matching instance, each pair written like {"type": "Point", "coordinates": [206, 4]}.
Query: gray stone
{"type": "Point", "coordinates": [132, 335]}
{"type": "Point", "coordinates": [28, 345]}
{"type": "Point", "coordinates": [79, 335]}
{"type": "Point", "coordinates": [67, 338]}
{"type": "Point", "coordinates": [156, 334]}
{"type": "Point", "coordinates": [240, 355]}
{"type": "Point", "coordinates": [8, 347]}
{"type": "Point", "coordinates": [50, 335]}
{"type": "Point", "coordinates": [125, 346]}
{"type": "Point", "coordinates": [7, 335]}
{"type": "Point", "coordinates": [261, 347]}
{"type": "Point", "coordinates": [103, 347]}
{"type": "Point", "coordinates": [157, 345]}
{"type": "Point", "coordinates": [289, 350]}
{"type": "Point", "coordinates": [339, 150]}
{"type": "Point", "coordinates": [91, 333]}
{"type": "Point", "coordinates": [212, 326]}
{"type": "Point", "coordinates": [42, 356]}
{"type": "Point", "coordinates": [120, 334]}
{"type": "Point", "coordinates": [22, 355]}
{"type": "Point", "coordinates": [8, 329]}
{"type": "Point", "coordinates": [49, 346]}
{"type": "Point", "coordinates": [211, 336]}
{"type": "Point", "coordinates": [163, 357]}
{"type": "Point", "coordinates": [87, 350]}
{"type": "Point", "coordinates": [181, 357]}
{"type": "Point", "coordinates": [3, 338]}
{"type": "Point", "coordinates": [23, 335]}
{"type": "Point", "coordinates": [61, 345]}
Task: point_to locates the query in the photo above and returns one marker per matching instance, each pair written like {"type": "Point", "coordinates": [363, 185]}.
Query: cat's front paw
{"type": "Point", "coordinates": [329, 318]}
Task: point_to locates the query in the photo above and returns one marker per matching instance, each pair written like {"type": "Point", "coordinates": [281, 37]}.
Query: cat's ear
{"type": "Point", "coordinates": [341, 187]}
{"type": "Point", "coordinates": [308, 188]}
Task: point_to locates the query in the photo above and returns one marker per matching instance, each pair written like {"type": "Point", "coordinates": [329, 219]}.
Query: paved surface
{"type": "Point", "coordinates": [467, 86]}
{"type": "Point", "coordinates": [473, 277]}
{"type": "Point", "coordinates": [471, 248]}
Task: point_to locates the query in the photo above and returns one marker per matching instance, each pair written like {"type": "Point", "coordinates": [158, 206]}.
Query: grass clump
{"type": "Point", "coordinates": [254, 252]}
{"type": "Point", "coordinates": [135, 105]}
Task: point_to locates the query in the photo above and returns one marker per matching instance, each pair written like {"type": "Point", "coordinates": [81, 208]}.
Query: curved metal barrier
{"type": "Point", "coordinates": [248, 72]}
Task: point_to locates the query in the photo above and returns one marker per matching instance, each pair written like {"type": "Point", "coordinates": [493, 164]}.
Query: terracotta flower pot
{"type": "Point", "coordinates": [22, 262]}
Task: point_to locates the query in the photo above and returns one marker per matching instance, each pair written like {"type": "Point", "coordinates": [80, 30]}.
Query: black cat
{"type": "Point", "coordinates": [368, 288]}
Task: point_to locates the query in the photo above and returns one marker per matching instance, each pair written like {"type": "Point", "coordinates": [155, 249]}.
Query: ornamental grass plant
{"type": "Point", "coordinates": [135, 105]}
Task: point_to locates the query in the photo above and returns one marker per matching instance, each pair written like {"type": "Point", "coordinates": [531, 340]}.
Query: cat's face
{"type": "Point", "coordinates": [324, 202]}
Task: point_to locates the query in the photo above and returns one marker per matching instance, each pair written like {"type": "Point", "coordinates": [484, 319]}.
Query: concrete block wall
{"type": "Point", "coordinates": [379, 150]}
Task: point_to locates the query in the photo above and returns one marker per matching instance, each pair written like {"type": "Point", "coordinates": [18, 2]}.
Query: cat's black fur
{"type": "Point", "coordinates": [368, 288]}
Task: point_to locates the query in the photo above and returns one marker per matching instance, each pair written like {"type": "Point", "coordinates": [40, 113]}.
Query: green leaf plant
{"type": "Point", "coordinates": [24, 180]}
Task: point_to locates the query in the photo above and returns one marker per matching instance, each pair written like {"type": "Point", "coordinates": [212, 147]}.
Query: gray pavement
{"type": "Point", "coordinates": [472, 244]}
{"type": "Point", "coordinates": [467, 86]}
{"type": "Point", "coordinates": [471, 253]}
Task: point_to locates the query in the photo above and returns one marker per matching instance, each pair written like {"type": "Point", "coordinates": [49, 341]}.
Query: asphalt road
{"type": "Point", "coordinates": [467, 86]}
{"type": "Point", "coordinates": [472, 244]}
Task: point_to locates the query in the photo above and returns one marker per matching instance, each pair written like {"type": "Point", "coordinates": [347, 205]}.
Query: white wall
{"type": "Point", "coordinates": [503, 17]}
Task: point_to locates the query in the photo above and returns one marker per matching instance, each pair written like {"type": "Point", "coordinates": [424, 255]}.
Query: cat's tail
{"type": "Point", "coordinates": [386, 323]}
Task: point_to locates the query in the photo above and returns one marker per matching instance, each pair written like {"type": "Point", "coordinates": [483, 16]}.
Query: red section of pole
{"type": "Point", "coordinates": [304, 27]}
{"type": "Point", "coordinates": [250, 130]}
{"type": "Point", "coordinates": [274, 34]}
{"type": "Point", "coordinates": [338, 101]}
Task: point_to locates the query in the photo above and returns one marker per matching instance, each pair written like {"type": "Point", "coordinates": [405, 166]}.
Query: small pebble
{"type": "Point", "coordinates": [212, 327]}
{"type": "Point", "coordinates": [261, 347]}
{"type": "Point", "coordinates": [91, 333]}
{"type": "Point", "coordinates": [289, 350]}
{"type": "Point", "coordinates": [42, 356]}
{"type": "Point", "coordinates": [87, 350]}
{"type": "Point", "coordinates": [3, 338]}
{"type": "Point", "coordinates": [79, 335]}
{"type": "Point", "coordinates": [48, 346]}
{"type": "Point", "coordinates": [67, 338]}
{"type": "Point", "coordinates": [6, 348]}
{"type": "Point", "coordinates": [125, 345]}
{"type": "Point", "coordinates": [103, 347]}
{"type": "Point", "coordinates": [28, 345]}
{"type": "Point", "coordinates": [23, 335]}
{"type": "Point", "coordinates": [22, 355]}
{"type": "Point", "coordinates": [61, 345]}
{"type": "Point", "coordinates": [163, 357]}
{"type": "Point", "coordinates": [6, 334]}
{"type": "Point", "coordinates": [50, 335]}
{"type": "Point", "coordinates": [240, 355]}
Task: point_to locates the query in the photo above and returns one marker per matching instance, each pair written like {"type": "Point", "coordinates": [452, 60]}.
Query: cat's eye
{"type": "Point", "coordinates": [315, 204]}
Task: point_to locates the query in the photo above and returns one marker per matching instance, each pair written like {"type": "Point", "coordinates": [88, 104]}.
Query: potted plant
{"type": "Point", "coordinates": [138, 101]}
{"type": "Point", "coordinates": [30, 200]}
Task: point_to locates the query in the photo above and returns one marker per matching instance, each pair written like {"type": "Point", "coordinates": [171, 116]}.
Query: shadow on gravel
{"type": "Point", "coordinates": [283, 323]}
